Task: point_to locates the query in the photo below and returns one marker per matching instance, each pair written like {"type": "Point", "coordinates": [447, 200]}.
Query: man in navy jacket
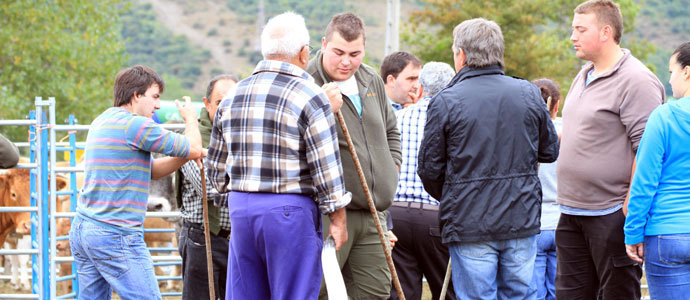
{"type": "Point", "coordinates": [484, 136]}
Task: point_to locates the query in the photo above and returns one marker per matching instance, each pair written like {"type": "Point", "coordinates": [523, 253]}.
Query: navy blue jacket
{"type": "Point", "coordinates": [484, 136]}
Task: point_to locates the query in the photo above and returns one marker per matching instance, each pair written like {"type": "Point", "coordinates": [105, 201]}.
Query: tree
{"type": "Point", "coordinates": [536, 34]}
{"type": "Point", "coordinates": [67, 49]}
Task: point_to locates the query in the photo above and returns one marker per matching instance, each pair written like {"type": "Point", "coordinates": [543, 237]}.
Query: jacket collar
{"type": "Point", "coordinates": [590, 65]}
{"type": "Point", "coordinates": [205, 126]}
{"type": "Point", "coordinates": [277, 66]}
{"type": "Point", "coordinates": [467, 72]}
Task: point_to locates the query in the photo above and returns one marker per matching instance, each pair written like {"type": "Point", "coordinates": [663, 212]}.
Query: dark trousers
{"type": "Point", "coordinates": [592, 263]}
{"type": "Point", "coordinates": [419, 252]}
{"type": "Point", "coordinates": [192, 246]}
{"type": "Point", "coordinates": [275, 247]}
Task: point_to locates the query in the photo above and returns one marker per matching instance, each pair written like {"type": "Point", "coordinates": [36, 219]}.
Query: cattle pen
{"type": "Point", "coordinates": [43, 169]}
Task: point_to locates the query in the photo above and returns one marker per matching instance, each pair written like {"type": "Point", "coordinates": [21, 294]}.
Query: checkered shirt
{"type": "Point", "coordinates": [277, 135]}
{"type": "Point", "coordinates": [192, 207]}
{"type": "Point", "coordinates": [411, 122]}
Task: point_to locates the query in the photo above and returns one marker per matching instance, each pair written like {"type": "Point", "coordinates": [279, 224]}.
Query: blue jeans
{"type": "Point", "coordinates": [545, 266]}
{"type": "Point", "coordinates": [109, 260]}
{"type": "Point", "coordinates": [667, 265]}
{"type": "Point", "coordinates": [494, 269]}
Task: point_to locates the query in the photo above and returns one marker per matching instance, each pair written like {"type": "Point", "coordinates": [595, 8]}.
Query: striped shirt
{"type": "Point", "coordinates": [411, 122]}
{"type": "Point", "coordinates": [118, 166]}
{"type": "Point", "coordinates": [277, 135]}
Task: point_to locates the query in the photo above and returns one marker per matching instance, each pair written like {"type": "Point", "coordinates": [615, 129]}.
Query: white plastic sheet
{"type": "Point", "coordinates": [331, 271]}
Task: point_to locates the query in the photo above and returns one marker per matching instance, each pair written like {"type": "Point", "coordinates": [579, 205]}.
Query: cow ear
{"type": "Point", "coordinates": [60, 183]}
{"type": "Point", "coordinates": [3, 180]}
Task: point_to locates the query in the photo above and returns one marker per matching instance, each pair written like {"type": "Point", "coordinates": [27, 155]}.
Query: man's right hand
{"type": "Point", "coordinates": [338, 227]}
{"type": "Point", "coordinates": [334, 96]}
{"type": "Point", "coordinates": [187, 111]}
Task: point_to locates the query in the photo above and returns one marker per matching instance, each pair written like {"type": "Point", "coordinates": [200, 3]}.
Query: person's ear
{"type": "Point", "coordinates": [135, 97]}
{"type": "Point", "coordinates": [304, 55]}
{"type": "Point", "coordinates": [390, 79]}
{"type": "Point", "coordinates": [207, 103]}
{"type": "Point", "coordinates": [606, 33]}
{"type": "Point", "coordinates": [686, 72]}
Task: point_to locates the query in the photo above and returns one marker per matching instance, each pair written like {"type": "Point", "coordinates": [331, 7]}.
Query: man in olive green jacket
{"type": "Point", "coordinates": [372, 126]}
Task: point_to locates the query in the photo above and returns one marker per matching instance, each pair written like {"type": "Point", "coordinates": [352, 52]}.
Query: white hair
{"type": "Point", "coordinates": [284, 36]}
{"type": "Point", "coordinates": [435, 76]}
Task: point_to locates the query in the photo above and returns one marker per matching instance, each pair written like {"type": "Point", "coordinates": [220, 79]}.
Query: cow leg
{"type": "Point", "coordinates": [24, 243]}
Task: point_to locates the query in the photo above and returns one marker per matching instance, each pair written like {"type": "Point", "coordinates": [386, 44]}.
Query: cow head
{"type": "Point", "coordinates": [14, 191]}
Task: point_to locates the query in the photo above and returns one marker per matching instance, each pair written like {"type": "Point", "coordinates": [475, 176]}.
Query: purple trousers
{"type": "Point", "coordinates": [275, 247]}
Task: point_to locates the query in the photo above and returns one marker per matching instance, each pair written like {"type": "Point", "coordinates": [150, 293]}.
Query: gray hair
{"type": "Point", "coordinates": [212, 83]}
{"type": "Point", "coordinates": [482, 42]}
{"type": "Point", "coordinates": [284, 36]}
{"type": "Point", "coordinates": [435, 76]}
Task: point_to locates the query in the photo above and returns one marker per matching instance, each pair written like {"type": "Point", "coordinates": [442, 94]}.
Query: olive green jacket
{"type": "Point", "coordinates": [375, 136]}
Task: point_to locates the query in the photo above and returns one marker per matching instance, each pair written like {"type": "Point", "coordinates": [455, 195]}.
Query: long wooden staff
{"type": "Point", "coordinates": [446, 282]}
{"type": "Point", "coordinates": [372, 207]}
{"type": "Point", "coordinates": [207, 237]}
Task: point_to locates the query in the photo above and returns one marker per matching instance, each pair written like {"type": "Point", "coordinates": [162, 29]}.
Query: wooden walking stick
{"type": "Point", "coordinates": [446, 282]}
{"type": "Point", "coordinates": [207, 236]}
{"type": "Point", "coordinates": [372, 207]}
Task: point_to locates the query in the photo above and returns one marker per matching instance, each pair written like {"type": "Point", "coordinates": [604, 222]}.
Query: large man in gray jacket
{"type": "Point", "coordinates": [604, 117]}
{"type": "Point", "coordinates": [371, 122]}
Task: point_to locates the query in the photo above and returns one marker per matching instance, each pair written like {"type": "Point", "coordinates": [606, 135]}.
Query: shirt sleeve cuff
{"type": "Point", "coordinates": [633, 240]}
{"type": "Point", "coordinates": [334, 202]}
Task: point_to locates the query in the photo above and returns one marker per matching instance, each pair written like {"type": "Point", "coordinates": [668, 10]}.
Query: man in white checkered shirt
{"type": "Point", "coordinates": [419, 251]}
{"type": "Point", "coordinates": [274, 148]}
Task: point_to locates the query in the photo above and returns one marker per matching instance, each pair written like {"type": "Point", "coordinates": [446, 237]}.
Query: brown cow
{"type": "Point", "coordinates": [161, 239]}
{"type": "Point", "coordinates": [14, 191]}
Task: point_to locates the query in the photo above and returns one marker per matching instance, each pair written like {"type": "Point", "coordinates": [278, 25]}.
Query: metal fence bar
{"type": "Point", "coordinates": [73, 188]}
{"type": "Point", "coordinates": [26, 166]}
{"type": "Point", "coordinates": [53, 199]}
{"type": "Point", "coordinates": [19, 251]}
{"type": "Point", "coordinates": [9, 209]}
{"type": "Point", "coordinates": [163, 214]}
{"type": "Point", "coordinates": [17, 122]}
{"type": "Point", "coordinates": [71, 127]}
{"type": "Point", "coordinates": [65, 214]}
{"type": "Point", "coordinates": [19, 296]}
{"type": "Point", "coordinates": [40, 282]}
{"type": "Point", "coordinates": [80, 145]}
{"type": "Point", "coordinates": [67, 169]}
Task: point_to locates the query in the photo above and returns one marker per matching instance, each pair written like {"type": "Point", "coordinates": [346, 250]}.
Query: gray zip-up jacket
{"type": "Point", "coordinates": [603, 123]}
{"type": "Point", "coordinates": [374, 134]}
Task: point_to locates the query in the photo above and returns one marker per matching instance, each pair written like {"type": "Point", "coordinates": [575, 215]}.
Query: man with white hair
{"type": "Point", "coordinates": [274, 147]}
{"type": "Point", "coordinates": [484, 137]}
{"type": "Point", "coordinates": [419, 251]}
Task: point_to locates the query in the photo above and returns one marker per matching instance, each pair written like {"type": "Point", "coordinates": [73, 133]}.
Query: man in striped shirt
{"type": "Point", "coordinates": [274, 145]}
{"type": "Point", "coordinates": [106, 237]}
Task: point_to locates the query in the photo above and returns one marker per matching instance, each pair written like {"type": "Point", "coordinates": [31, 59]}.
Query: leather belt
{"type": "Point", "coordinates": [417, 205]}
{"type": "Point", "coordinates": [222, 233]}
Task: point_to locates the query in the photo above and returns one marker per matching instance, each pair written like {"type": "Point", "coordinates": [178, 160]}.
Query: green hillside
{"type": "Point", "coordinates": [665, 24]}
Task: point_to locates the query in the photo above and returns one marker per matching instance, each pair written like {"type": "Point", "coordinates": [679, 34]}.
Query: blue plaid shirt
{"type": "Point", "coordinates": [411, 122]}
{"type": "Point", "coordinates": [277, 135]}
